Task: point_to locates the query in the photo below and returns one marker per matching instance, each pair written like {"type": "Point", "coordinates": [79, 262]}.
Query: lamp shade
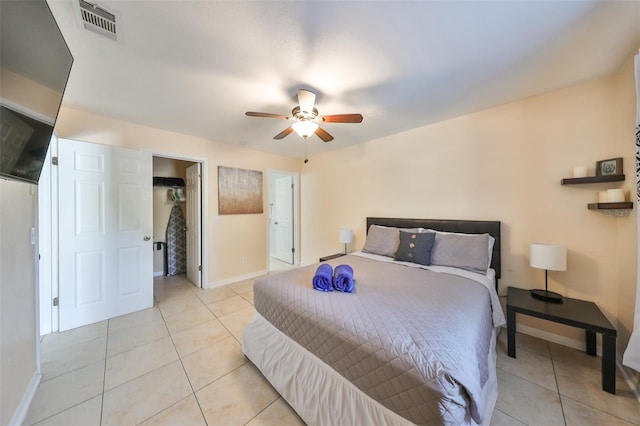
{"type": "Point", "coordinates": [548, 256]}
{"type": "Point", "coordinates": [305, 128]}
{"type": "Point", "coordinates": [346, 236]}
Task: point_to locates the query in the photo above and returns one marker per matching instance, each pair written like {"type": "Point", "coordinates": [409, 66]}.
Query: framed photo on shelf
{"type": "Point", "coordinates": [612, 166]}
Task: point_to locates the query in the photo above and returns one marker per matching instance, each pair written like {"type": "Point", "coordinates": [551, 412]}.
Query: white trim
{"type": "Point", "coordinates": [158, 273]}
{"type": "Point", "coordinates": [21, 411]}
{"type": "Point", "coordinates": [48, 235]}
{"type": "Point", "coordinates": [236, 279]}
{"type": "Point", "coordinates": [204, 189]}
{"type": "Point", "coordinates": [45, 248]}
{"type": "Point", "coordinates": [55, 237]}
{"type": "Point", "coordinates": [555, 338]}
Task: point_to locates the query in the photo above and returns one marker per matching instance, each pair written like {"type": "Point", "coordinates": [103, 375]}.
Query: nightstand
{"type": "Point", "coordinates": [331, 256]}
{"type": "Point", "coordinates": [573, 312]}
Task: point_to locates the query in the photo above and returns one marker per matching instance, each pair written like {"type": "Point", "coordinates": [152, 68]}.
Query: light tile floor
{"type": "Point", "coordinates": [181, 362]}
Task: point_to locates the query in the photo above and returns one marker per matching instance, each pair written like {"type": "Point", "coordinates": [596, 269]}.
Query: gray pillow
{"type": "Point", "coordinates": [381, 240]}
{"type": "Point", "coordinates": [415, 247]}
{"type": "Point", "coordinates": [464, 251]}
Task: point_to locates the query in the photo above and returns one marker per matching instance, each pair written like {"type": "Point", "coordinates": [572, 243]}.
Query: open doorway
{"type": "Point", "coordinates": [178, 218]}
{"type": "Point", "coordinates": [283, 220]}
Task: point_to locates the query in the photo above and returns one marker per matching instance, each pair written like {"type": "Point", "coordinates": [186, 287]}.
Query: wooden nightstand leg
{"type": "Point", "coordinates": [591, 342]}
{"type": "Point", "coordinates": [609, 363]}
{"type": "Point", "coordinates": [511, 333]}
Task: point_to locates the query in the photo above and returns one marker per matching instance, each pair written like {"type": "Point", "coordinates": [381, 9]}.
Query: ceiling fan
{"type": "Point", "coordinates": [306, 118]}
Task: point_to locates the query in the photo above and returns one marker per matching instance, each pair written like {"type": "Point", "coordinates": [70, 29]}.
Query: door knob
{"type": "Point", "coordinates": [146, 238]}
{"type": "Point", "coordinates": [275, 223]}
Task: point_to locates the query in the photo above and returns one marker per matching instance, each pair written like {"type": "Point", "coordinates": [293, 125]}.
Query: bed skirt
{"type": "Point", "coordinates": [318, 393]}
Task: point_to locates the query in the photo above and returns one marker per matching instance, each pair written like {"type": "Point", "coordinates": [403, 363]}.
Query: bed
{"type": "Point", "coordinates": [413, 344]}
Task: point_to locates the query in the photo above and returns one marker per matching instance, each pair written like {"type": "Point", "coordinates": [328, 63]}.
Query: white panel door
{"type": "Point", "coordinates": [105, 224]}
{"type": "Point", "coordinates": [194, 227]}
{"type": "Point", "coordinates": [283, 218]}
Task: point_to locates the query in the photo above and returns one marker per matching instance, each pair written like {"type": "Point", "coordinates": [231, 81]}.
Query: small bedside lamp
{"type": "Point", "coordinates": [346, 237]}
{"type": "Point", "coordinates": [550, 258]}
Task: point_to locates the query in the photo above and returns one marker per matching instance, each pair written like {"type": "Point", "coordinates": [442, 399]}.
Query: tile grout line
{"type": "Point", "coordinates": [263, 410]}
{"type": "Point", "coordinates": [555, 377]}
{"type": "Point", "coordinates": [74, 369]}
{"type": "Point", "coordinates": [193, 392]}
{"type": "Point", "coordinates": [232, 336]}
{"type": "Point", "coordinates": [104, 375]}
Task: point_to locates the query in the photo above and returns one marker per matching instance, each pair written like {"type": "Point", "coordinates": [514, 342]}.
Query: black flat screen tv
{"type": "Point", "coordinates": [23, 145]}
{"type": "Point", "coordinates": [35, 63]}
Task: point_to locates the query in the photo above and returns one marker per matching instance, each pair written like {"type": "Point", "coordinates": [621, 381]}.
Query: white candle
{"type": "Point", "coordinates": [616, 195]}
{"type": "Point", "coordinates": [603, 197]}
{"type": "Point", "coordinates": [579, 171]}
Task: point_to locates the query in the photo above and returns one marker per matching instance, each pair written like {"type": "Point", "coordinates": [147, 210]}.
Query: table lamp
{"type": "Point", "coordinates": [346, 237]}
{"type": "Point", "coordinates": [550, 258]}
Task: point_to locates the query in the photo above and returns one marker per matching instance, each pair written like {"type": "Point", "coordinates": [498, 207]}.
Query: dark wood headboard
{"type": "Point", "coordinates": [465, 226]}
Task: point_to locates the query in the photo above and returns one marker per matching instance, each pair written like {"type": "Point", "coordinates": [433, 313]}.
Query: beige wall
{"type": "Point", "coordinates": [230, 237]}
{"type": "Point", "coordinates": [503, 164]}
{"type": "Point", "coordinates": [18, 329]}
{"type": "Point", "coordinates": [29, 94]}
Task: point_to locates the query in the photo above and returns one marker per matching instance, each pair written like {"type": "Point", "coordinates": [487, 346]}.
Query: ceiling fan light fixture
{"type": "Point", "coordinates": [305, 128]}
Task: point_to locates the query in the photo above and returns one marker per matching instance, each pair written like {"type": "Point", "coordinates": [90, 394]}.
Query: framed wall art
{"type": "Point", "coordinates": [239, 191]}
{"type": "Point", "coordinates": [613, 166]}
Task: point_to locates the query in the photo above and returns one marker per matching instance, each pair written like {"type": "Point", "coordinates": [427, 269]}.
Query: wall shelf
{"type": "Point", "coordinates": [610, 206]}
{"type": "Point", "coordinates": [592, 179]}
{"type": "Point", "coordinates": [600, 179]}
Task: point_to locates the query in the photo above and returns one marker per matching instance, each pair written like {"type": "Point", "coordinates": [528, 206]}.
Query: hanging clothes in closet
{"type": "Point", "coordinates": [176, 242]}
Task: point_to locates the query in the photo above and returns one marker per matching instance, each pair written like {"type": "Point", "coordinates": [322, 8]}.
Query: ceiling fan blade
{"type": "Point", "coordinates": [284, 133]}
{"type": "Point", "coordinates": [342, 118]}
{"type": "Point", "coordinates": [306, 100]}
{"type": "Point", "coordinates": [266, 115]}
{"type": "Point", "coordinates": [322, 134]}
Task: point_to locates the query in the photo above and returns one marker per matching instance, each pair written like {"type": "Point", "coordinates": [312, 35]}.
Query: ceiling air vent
{"type": "Point", "coordinates": [98, 20]}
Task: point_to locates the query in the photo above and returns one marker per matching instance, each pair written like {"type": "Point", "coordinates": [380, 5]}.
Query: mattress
{"type": "Point", "coordinates": [417, 342]}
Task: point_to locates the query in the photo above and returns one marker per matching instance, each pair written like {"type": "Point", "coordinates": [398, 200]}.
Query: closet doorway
{"type": "Point", "coordinates": [283, 220]}
{"type": "Point", "coordinates": [178, 217]}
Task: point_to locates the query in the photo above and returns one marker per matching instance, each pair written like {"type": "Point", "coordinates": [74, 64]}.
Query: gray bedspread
{"type": "Point", "coordinates": [414, 340]}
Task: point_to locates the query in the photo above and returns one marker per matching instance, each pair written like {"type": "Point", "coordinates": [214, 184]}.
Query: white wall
{"type": "Point", "coordinates": [18, 328]}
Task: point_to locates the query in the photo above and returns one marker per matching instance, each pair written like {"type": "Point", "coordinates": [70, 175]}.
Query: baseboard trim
{"type": "Point", "coordinates": [237, 279]}
{"type": "Point", "coordinates": [628, 376]}
{"type": "Point", "coordinates": [555, 338]}
{"type": "Point", "coordinates": [21, 411]}
{"type": "Point", "coordinates": [158, 274]}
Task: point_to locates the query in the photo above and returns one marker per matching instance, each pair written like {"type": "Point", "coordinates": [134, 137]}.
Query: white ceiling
{"type": "Point", "coordinates": [195, 67]}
